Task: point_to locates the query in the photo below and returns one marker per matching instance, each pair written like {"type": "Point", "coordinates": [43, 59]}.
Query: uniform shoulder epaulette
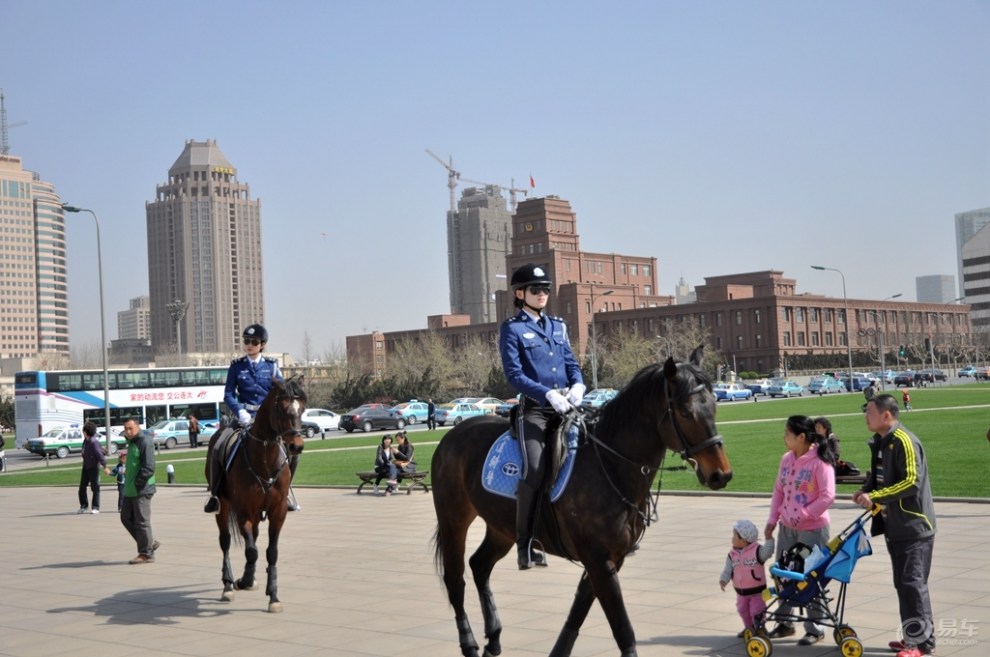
{"type": "Point", "coordinates": [237, 359]}
{"type": "Point", "coordinates": [270, 359]}
{"type": "Point", "coordinates": [511, 319]}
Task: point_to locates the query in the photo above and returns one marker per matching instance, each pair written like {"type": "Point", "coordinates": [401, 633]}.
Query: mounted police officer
{"type": "Point", "coordinates": [249, 379]}
{"type": "Point", "coordinates": [538, 362]}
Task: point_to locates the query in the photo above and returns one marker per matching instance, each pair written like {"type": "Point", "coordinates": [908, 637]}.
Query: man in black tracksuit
{"type": "Point", "coordinates": [898, 479]}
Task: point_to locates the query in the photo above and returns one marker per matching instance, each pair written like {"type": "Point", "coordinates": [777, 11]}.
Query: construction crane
{"type": "Point", "coordinates": [512, 189]}
{"type": "Point", "coordinates": [452, 176]}
{"type": "Point", "coordinates": [4, 143]}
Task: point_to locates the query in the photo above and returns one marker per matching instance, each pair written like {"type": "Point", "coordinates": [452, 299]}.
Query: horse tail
{"type": "Point", "coordinates": [233, 527]}
{"type": "Point", "coordinates": [438, 551]}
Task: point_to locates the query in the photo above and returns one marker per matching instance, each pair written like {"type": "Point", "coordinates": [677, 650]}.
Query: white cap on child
{"type": "Point", "coordinates": [747, 531]}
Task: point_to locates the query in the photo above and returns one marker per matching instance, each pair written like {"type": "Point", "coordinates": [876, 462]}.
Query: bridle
{"type": "Point", "coordinates": [281, 457]}
{"type": "Point", "coordinates": [687, 451]}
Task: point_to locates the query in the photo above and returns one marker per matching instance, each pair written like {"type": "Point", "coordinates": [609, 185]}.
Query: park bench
{"type": "Point", "coordinates": [407, 480]}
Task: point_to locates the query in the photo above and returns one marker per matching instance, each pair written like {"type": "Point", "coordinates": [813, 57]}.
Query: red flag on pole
{"type": "Point", "coordinates": [532, 183]}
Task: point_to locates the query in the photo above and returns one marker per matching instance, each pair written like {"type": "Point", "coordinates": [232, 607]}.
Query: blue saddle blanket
{"type": "Point", "coordinates": [503, 469]}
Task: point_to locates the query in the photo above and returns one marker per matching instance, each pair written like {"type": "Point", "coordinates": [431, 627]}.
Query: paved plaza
{"type": "Point", "coordinates": [356, 577]}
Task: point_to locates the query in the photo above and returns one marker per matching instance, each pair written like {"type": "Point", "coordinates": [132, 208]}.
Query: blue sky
{"type": "Point", "coordinates": [720, 137]}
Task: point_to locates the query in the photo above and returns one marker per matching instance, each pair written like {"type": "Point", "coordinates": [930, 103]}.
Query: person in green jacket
{"type": "Point", "coordinates": [139, 488]}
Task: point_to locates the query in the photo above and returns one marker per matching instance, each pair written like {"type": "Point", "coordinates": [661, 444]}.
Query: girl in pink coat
{"type": "Point", "coordinates": [802, 494]}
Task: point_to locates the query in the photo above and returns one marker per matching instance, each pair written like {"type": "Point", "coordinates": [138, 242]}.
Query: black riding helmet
{"type": "Point", "coordinates": [530, 275]}
{"type": "Point", "coordinates": [256, 331]}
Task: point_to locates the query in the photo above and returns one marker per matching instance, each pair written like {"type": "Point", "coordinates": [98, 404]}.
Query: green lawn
{"type": "Point", "coordinates": [951, 422]}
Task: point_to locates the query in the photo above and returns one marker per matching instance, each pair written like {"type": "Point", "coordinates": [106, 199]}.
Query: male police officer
{"type": "Point", "coordinates": [249, 379]}
{"type": "Point", "coordinates": [538, 362]}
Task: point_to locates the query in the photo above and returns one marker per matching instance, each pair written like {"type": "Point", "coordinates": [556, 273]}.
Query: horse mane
{"type": "Point", "coordinates": [642, 395]}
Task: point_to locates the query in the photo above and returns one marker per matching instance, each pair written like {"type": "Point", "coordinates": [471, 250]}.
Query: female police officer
{"type": "Point", "coordinates": [538, 362]}
{"type": "Point", "coordinates": [249, 379]}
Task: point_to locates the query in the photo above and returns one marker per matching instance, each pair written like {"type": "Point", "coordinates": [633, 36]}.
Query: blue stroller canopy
{"type": "Point", "coordinates": [856, 545]}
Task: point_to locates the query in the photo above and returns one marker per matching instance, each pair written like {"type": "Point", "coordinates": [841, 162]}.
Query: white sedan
{"type": "Point", "coordinates": [318, 421]}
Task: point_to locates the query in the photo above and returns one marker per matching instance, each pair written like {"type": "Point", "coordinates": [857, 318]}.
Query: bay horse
{"type": "Point", "coordinates": [602, 514]}
{"type": "Point", "coordinates": [256, 486]}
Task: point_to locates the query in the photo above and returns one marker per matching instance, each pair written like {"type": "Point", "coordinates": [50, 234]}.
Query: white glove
{"type": "Point", "coordinates": [243, 418]}
{"type": "Point", "coordinates": [559, 402]}
{"type": "Point", "coordinates": [576, 394]}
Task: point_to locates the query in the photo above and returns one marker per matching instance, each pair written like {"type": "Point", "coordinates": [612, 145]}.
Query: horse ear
{"type": "Point", "coordinates": [698, 354]}
{"type": "Point", "coordinates": [670, 368]}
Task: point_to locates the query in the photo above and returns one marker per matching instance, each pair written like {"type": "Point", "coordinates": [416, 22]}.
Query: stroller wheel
{"type": "Point", "coordinates": [841, 632]}
{"type": "Point", "coordinates": [757, 646]}
{"type": "Point", "coordinates": [747, 635]}
{"type": "Point", "coordinates": [851, 647]}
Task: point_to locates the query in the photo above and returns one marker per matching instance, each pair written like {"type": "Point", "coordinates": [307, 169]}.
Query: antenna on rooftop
{"type": "Point", "coordinates": [4, 142]}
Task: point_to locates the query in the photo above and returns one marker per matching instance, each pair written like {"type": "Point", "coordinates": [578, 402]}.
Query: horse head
{"type": "Point", "coordinates": [283, 408]}
{"type": "Point", "coordinates": [688, 425]}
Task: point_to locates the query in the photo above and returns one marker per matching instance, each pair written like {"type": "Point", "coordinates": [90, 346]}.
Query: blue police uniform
{"type": "Point", "coordinates": [248, 383]}
{"type": "Point", "coordinates": [537, 358]}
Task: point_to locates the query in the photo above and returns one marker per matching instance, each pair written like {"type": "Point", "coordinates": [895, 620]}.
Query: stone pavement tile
{"type": "Point", "coordinates": [356, 576]}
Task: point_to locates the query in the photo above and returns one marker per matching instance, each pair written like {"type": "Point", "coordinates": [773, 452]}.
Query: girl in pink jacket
{"type": "Point", "coordinates": [802, 494]}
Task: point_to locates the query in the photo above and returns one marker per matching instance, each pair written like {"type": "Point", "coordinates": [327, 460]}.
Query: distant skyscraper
{"type": "Point", "coordinates": [33, 266]}
{"type": "Point", "coordinates": [940, 288]}
{"type": "Point", "coordinates": [683, 292]}
{"type": "Point", "coordinates": [135, 322]}
{"type": "Point", "coordinates": [479, 236]}
{"type": "Point", "coordinates": [204, 248]}
{"type": "Point", "coordinates": [973, 242]}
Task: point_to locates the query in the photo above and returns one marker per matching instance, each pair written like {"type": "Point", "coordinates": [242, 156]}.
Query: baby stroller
{"type": "Point", "coordinates": [801, 578]}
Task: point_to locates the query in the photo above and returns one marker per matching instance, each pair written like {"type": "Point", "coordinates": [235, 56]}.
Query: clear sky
{"type": "Point", "coordinates": [720, 137]}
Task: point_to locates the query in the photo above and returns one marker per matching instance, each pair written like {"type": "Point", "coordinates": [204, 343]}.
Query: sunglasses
{"type": "Point", "coordinates": [539, 289]}
{"type": "Point", "coordinates": [252, 341]}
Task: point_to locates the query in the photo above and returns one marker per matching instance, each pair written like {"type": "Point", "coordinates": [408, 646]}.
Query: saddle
{"type": "Point", "coordinates": [503, 465]}
{"type": "Point", "coordinates": [226, 446]}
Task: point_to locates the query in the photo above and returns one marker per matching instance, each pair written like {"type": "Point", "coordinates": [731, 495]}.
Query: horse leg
{"type": "Point", "coordinates": [450, 540]}
{"type": "Point", "coordinates": [250, 533]}
{"type": "Point", "coordinates": [482, 562]}
{"type": "Point", "coordinates": [604, 576]}
{"type": "Point", "coordinates": [271, 589]}
{"type": "Point", "coordinates": [583, 599]}
{"type": "Point", "coordinates": [227, 573]}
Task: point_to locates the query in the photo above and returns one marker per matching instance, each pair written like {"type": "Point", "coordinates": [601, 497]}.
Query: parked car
{"type": "Point", "coordinates": [758, 387]}
{"type": "Point", "coordinates": [597, 397]}
{"type": "Point", "coordinates": [457, 413]}
{"type": "Point", "coordinates": [168, 433]}
{"type": "Point", "coordinates": [785, 389]}
{"type": "Point", "coordinates": [412, 411]}
{"type": "Point", "coordinates": [967, 371]}
{"type": "Point", "coordinates": [731, 392]}
{"type": "Point", "coordinates": [61, 441]}
{"type": "Point", "coordinates": [982, 374]}
{"type": "Point", "coordinates": [905, 378]}
{"type": "Point", "coordinates": [931, 375]}
{"type": "Point", "coordinates": [487, 403]}
{"type": "Point", "coordinates": [857, 383]}
{"type": "Point", "coordinates": [823, 385]}
{"type": "Point", "coordinates": [319, 420]}
{"type": "Point", "coordinates": [505, 407]}
{"type": "Point", "coordinates": [370, 417]}
{"type": "Point", "coordinates": [886, 376]}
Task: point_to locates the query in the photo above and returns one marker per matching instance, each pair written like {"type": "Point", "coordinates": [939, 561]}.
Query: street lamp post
{"type": "Point", "coordinates": [669, 344]}
{"type": "Point", "coordinates": [880, 337]}
{"type": "Point", "coordinates": [845, 303]}
{"type": "Point", "coordinates": [103, 325]}
{"type": "Point", "coordinates": [177, 311]}
{"type": "Point", "coordinates": [594, 338]}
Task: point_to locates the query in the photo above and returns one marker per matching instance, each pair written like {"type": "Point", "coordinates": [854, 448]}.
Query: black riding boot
{"type": "Point", "coordinates": [213, 504]}
{"type": "Point", "coordinates": [526, 501]}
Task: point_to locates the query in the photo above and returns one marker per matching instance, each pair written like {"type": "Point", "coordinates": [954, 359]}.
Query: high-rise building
{"type": "Point", "coordinates": [683, 292]}
{"type": "Point", "coordinates": [204, 249]}
{"type": "Point", "coordinates": [938, 288]}
{"type": "Point", "coordinates": [973, 240]}
{"type": "Point", "coordinates": [33, 265]}
{"type": "Point", "coordinates": [135, 322]}
{"type": "Point", "coordinates": [479, 235]}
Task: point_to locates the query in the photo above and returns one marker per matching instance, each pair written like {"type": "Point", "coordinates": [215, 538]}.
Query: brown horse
{"type": "Point", "coordinates": [256, 486]}
{"type": "Point", "coordinates": [602, 514]}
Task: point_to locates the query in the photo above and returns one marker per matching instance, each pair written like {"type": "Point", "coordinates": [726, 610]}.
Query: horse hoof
{"type": "Point", "coordinates": [241, 587]}
{"type": "Point", "coordinates": [275, 608]}
{"type": "Point", "coordinates": [227, 596]}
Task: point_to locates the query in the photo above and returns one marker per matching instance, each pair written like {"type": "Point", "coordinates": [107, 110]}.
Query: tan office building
{"type": "Point", "coordinates": [33, 266]}
{"type": "Point", "coordinates": [204, 249]}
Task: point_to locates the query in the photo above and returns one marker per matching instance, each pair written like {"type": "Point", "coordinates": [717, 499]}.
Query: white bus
{"type": "Point", "coordinates": [45, 400]}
